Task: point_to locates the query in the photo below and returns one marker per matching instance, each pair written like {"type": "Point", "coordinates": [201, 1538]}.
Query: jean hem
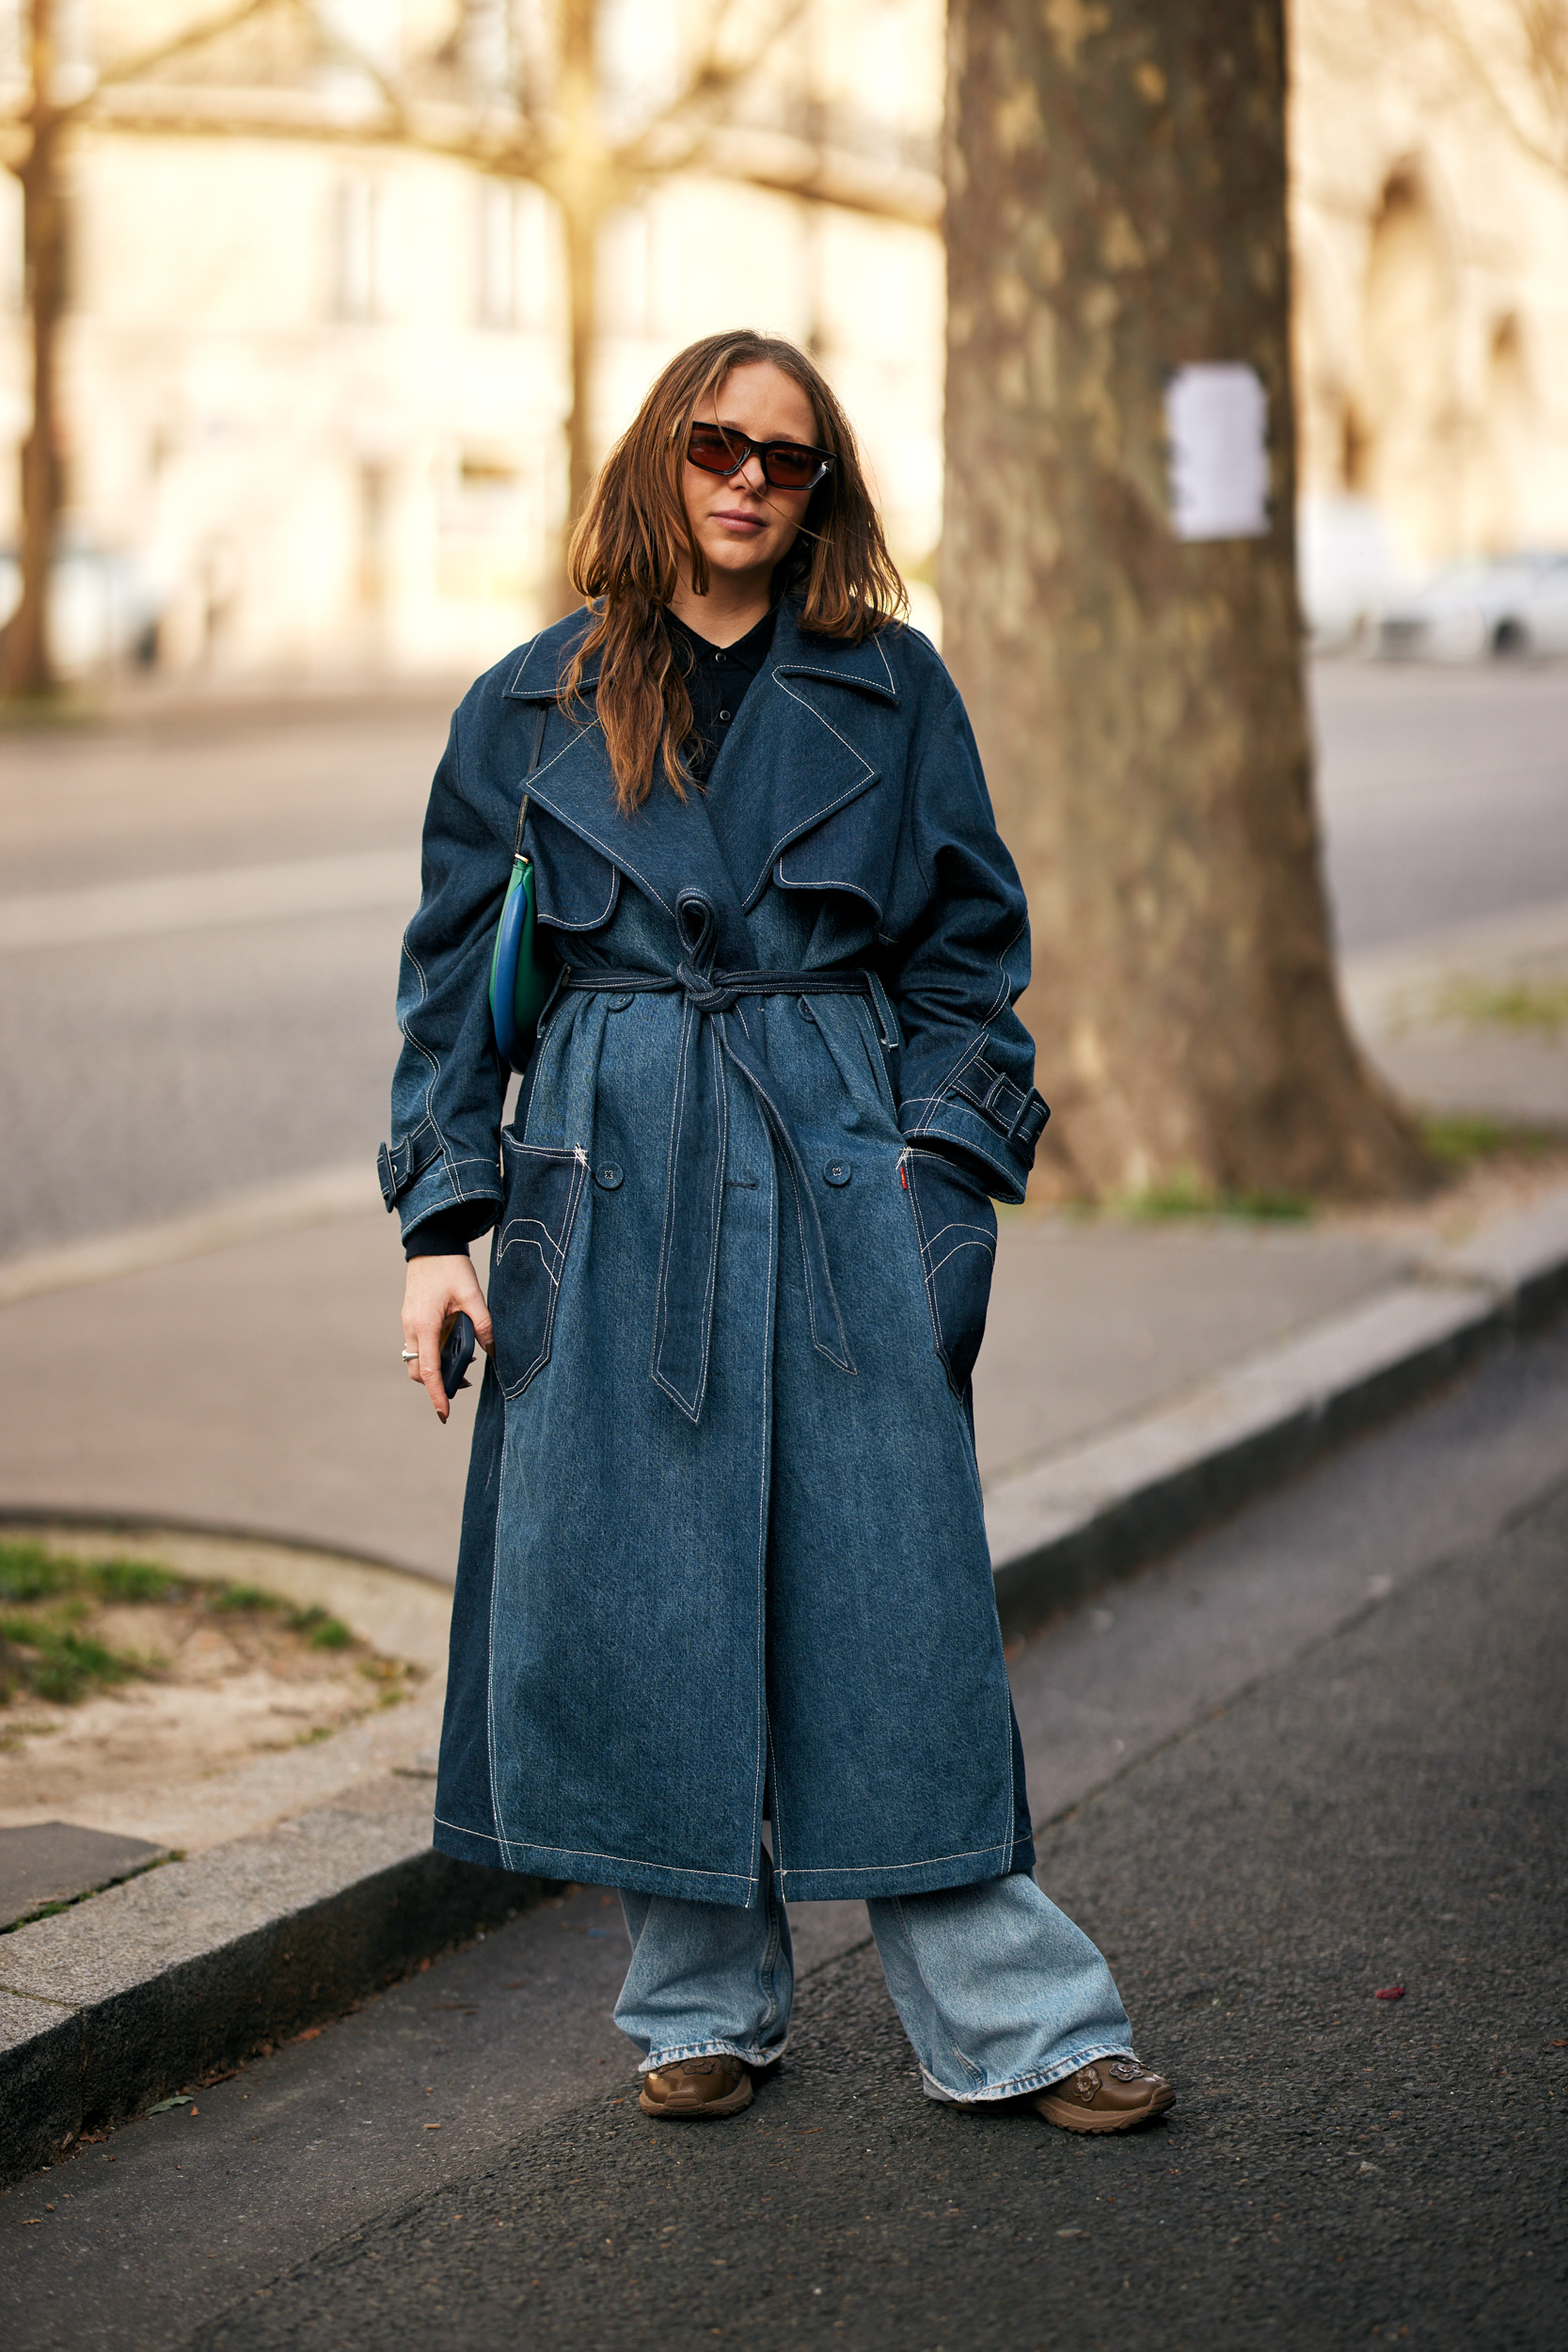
{"type": "Point", "coordinates": [748, 2054]}
{"type": "Point", "coordinates": [1038, 2079]}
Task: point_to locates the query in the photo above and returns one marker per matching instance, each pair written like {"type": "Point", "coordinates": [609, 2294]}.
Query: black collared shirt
{"type": "Point", "coordinates": [717, 677]}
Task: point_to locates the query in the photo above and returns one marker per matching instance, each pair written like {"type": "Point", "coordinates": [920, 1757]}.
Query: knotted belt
{"type": "Point", "coordinates": [694, 1193]}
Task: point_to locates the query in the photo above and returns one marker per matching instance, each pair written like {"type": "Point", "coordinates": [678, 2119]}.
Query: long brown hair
{"type": "Point", "coordinates": [625, 557]}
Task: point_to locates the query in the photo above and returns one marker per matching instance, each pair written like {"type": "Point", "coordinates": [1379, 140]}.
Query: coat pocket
{"type": "Point", "coordinates": [956, 1225]}
{"type": "Point", "coordinates": [543, 1188]}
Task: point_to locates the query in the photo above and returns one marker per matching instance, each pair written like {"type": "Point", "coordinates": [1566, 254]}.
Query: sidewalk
{"type": "Point", "coordinates": [238, 1371]}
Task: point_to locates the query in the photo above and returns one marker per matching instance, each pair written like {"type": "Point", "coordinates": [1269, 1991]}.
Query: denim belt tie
{"type": "Point", "coordinates": [694, 1195]}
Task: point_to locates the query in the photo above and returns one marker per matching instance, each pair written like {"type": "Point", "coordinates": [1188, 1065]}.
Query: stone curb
{"type": "Point", "coordinates": [196, 1964]}
{"type": "Point", "coordinates": [193, 1966]}
{"type": "Point", "coordinates": [1067, 1525]}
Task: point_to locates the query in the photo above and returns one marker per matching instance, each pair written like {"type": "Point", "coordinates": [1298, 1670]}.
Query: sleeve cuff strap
{"type": "Point", "coordinates": [398, 1164]}
{"type": "Point", "coordinates": [1018, 1117]}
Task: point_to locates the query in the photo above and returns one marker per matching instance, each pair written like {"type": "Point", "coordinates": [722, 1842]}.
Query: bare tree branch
{"type": "Point", "coordinates": [346, 51]}
{"type": "Point", "coordinates": [711, 80]}
{"type": "Point", "coordinates": [144, 61]}
{"type": "Point", "coordinates": [1543, 26]}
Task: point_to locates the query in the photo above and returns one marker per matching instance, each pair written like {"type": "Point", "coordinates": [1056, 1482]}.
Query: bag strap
{"type": "Point", "coordinates": [534, 762]}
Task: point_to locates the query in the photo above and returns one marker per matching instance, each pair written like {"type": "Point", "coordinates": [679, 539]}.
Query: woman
{"type": "Point", "coordinates": [723, 1560]}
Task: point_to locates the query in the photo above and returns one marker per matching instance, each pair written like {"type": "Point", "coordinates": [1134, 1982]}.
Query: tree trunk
{"type": "Point", "coordinates": [25, 664]}
{"type": "Point", "coordinates": [582, 254]}
{"type": "Point", "coordinates": [1116, 211]}
{"type": "Point", "coordinates": [580, 179]}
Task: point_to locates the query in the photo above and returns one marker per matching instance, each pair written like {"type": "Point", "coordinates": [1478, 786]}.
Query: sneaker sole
{"type": "Point", "coordinates": [1070, 2119]}
{"type": "Point", "coordinates": [738, 2098]}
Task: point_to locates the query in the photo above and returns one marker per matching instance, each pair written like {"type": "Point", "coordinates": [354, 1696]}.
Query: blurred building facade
{"type": "Point", "coordinates": [316, 384]}
{"type": "Point", "coordinates": [1430, 234]}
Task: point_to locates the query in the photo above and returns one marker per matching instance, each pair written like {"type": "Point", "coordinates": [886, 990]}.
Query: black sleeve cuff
{"type": "Point", "coordinates": [448, 1233]}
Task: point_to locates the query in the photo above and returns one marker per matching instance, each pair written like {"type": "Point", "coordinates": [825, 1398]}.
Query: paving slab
{"type": "Point", "coordinates": [213, 1426]}
{"type": "Point", "coordinates": [53, 1861]}
{"type": "Point", "coordinates": [176, 1393]}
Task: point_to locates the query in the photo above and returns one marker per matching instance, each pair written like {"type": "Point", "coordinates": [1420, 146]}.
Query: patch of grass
{"type": "Point", "coordinates": [50, 1652]}
{"type": "Point", "coordinates": [135, 1580]}
{"type": "Point", "coordinates": [1183, 1196]}
{"type": "Point", "coordinates": [1458, 1143]}
{"type": "Point", "coordinates": [243, 1597]}
{"type": "Point", "coordinates": [1540, 1004]}
{"type": "Point", "coordinates": [45, 1657]}
{"type": "Point", "coordinates": [45, 1596]}
{"type": "Point", "coordinates": [27, 1572]}
{"type": "Point", "coordinates": [321, 1631]}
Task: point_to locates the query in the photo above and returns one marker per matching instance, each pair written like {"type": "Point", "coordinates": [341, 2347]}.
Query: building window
{"type": "Point", "coordinates": [496, 273]}
{"type": "Point", "coordinates": [12, 274]}
{"type": "Point", "coordinates": [364, 249]}
{"type": "Point", "coordinates": [517, 260]}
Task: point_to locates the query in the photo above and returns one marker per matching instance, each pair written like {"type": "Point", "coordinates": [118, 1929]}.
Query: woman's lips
{"type": "Point", "coordinates": [743, 522]}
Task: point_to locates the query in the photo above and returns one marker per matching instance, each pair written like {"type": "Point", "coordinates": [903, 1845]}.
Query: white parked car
{"type": "Point", "coordinates": [102, 609]}
{"type": "Point", "coordinates": [1489, 605]}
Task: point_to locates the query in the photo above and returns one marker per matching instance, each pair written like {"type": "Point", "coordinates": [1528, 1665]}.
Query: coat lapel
{"type": "Point", "coordinates": [798, 750]}
{"type": "Point", "coordinates": [666, 848]}
{"type": "Point", "coordinates": [792, 758]}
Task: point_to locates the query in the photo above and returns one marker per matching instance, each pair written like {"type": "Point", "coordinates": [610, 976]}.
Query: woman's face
{"type": "Point", "coordinates": [741, 523]}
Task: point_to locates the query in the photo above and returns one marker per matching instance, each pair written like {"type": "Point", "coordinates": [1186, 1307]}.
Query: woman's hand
{"type": "Point", "coordinates": [438, 1289]}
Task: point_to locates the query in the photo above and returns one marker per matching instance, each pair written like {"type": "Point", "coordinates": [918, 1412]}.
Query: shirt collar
{"type": "Point", "coordinates": [750, 651]}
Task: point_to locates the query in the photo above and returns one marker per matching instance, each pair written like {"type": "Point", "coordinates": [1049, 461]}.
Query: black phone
{"type": "Point", "coordinates": [457, 1354]}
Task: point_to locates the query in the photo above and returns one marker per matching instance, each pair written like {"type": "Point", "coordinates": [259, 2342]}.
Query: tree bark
{"type": "Point", "coordinates": [26, 666]}
{"type": "Point", "coordinates": [1117, 210]}
{"type": "Point", "coordinates": [582, 256]}
{"type": "Point", "coordinates": [583, 181]}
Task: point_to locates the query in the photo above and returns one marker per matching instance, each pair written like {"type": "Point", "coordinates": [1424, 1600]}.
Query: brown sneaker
{"type": "Point", "coordinates": [698, 2086]}
{"type": "Point", "coordinates": [1110, 2095]}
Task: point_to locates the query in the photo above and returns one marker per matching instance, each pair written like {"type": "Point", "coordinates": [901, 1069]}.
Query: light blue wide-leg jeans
{"type": "Point", "coordinates": [997, 1990]}
{"type": "Point", "coordinates": [707, 1976]}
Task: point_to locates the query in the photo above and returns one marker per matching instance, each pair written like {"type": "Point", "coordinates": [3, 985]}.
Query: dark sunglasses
{"type": "Point", "coordinates": [786, 465]}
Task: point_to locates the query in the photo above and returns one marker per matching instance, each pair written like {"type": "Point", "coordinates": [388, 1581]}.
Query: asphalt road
{"type": "Point", "coordinates": [1322, 1751]}
{"type": "Point", "coordinates": [149, 1069]}
{"type": "Point", "coordinates": [1444, 794]}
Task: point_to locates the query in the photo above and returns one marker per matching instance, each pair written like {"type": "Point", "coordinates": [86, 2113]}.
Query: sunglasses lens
{"type": "Point", "coordinates": [791, 468]}
{"type": "Point", "coordinates": [710, 449]}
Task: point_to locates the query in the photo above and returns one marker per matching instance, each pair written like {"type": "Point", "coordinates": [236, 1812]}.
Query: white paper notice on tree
{"type": "Point", "coordinates": [1216, 424]}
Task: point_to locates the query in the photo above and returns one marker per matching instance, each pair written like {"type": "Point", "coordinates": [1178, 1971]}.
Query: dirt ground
{"type": "Point", "coordinates": [137, 1695]}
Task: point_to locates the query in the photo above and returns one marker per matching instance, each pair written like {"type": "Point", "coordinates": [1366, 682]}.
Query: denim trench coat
{"type": "Point", "coordinates": [723, 1557]}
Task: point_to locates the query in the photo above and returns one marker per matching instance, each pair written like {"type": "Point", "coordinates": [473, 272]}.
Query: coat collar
{"type": "Point", "coordinates": [792, 758]}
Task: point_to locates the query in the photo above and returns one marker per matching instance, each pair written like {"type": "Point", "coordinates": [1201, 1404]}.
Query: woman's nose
{"type": "Point", "coordinates": [751, 476]}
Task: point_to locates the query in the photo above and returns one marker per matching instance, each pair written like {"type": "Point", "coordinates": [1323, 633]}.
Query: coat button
{"type": "Point", "coordinates": [837, 1171]}
{"type": "Point", "coordinates": [617, 1003]}
{"type": "Point", "coordinates": [607, 1175]}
